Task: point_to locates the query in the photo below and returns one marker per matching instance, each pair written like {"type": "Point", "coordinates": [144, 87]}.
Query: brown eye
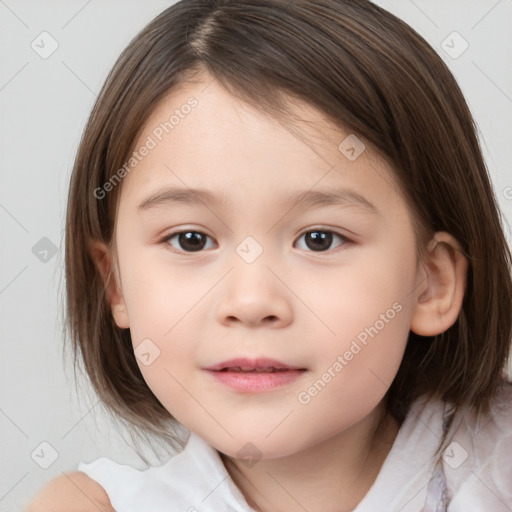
{"type": "Point", "coordinates": [188, 241]}
{"type": "Point", "coordinates": [317, 240]}
{"type": "Point", "coordinates": [321, 240]}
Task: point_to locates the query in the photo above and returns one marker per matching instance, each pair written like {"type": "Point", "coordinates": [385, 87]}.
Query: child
{"type": "Point", "coordinates": [365, 374]}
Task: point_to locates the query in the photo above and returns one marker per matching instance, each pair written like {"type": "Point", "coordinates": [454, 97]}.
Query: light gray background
{"type": "Point", "coordinates": [44, 104]}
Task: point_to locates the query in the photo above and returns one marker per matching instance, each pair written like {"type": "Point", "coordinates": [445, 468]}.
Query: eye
{"type": "Point", "coordinates": [190, 241]}
{"type": "Point", "coordinates": [319, 240]}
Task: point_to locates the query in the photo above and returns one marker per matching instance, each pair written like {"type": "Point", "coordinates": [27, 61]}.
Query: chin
{"type": "Point", "coordinates": [250, 444]}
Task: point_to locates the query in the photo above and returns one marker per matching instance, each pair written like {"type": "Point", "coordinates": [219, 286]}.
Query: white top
{"type": "Point", "coordinates": [474, 474]}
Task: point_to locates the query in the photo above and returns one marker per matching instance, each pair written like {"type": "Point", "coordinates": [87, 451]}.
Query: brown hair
{"type": "Point", "coordinates": [367, 71]}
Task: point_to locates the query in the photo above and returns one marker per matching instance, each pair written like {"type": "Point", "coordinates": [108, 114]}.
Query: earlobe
{"type": "Point", "coordinates": [103, 260]}
{"type": "Point", "coordinates": [439, 300]}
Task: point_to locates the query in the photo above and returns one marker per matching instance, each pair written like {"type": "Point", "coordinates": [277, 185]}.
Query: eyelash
{"type": "Point", "coordinates": [167, 238]}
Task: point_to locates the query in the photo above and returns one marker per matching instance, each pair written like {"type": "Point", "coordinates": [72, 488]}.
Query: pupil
{"type": "Point", "coordinates": [321, 240]}
{"type": "Point", "coordinates": [191, 240]}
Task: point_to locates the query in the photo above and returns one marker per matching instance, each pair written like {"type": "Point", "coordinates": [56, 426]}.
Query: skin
{"type": "Point", "coordinates": [294, 304]}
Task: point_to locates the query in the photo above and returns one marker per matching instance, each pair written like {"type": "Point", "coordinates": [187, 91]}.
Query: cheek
{"type": "Point", "coordinates": [366, 311]}
{"type": "Point", "coordinates": [371, 296]}
{"type": "Point", "coordinates": [162, 304]}
{"type": "Point", "coordinates": [159, 295]}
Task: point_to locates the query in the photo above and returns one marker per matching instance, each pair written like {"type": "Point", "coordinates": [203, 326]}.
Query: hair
{"type": "Point", "coordinates": [368, 72]}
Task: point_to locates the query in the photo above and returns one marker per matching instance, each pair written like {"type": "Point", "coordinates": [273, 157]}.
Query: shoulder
{"type": "Point", "coordinates": [477, 463]}
{"type": "Point", "coordinates": [71, 492]}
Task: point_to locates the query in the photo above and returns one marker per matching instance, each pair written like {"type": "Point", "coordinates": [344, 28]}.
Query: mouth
{"type": "Point", "coordinates": [249, 369]}
{"type": "Point", "coordinates": [261, 364]}
{"type": "Point", "coordinates": [254, 375]}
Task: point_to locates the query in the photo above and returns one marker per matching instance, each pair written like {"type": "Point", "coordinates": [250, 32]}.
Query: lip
{"type": "Point", "coordinates": [254, 375]}
{"type": "Point", "coordinates": [260, 363]}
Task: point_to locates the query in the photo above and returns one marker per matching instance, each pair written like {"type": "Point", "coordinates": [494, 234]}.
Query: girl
{"type": "Point", "coordinates": [281, 236]}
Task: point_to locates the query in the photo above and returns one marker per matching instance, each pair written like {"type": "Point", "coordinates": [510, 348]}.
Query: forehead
{"type": "Point", "coordinates": [199, 134]}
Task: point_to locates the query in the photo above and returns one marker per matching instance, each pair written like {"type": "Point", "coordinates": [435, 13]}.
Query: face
{"type": "Point", "coordinates": [255, 318]}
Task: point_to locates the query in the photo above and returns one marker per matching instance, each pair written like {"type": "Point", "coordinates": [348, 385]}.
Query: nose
{"type": "Point", "coordinates": [254, 295]}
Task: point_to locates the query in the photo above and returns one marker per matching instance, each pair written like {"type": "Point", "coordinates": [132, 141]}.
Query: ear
{"type": "Point", "coordinates": [442, 286]}
{"type": "Point", "coordinates": [103, 259]}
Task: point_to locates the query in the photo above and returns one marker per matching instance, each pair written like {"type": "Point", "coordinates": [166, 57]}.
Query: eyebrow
{"type": "Point", "coordinates": [308, 198]}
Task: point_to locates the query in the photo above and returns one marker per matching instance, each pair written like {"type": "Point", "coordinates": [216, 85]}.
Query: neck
{"type": "Point", "coordinates": [332, 476]}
